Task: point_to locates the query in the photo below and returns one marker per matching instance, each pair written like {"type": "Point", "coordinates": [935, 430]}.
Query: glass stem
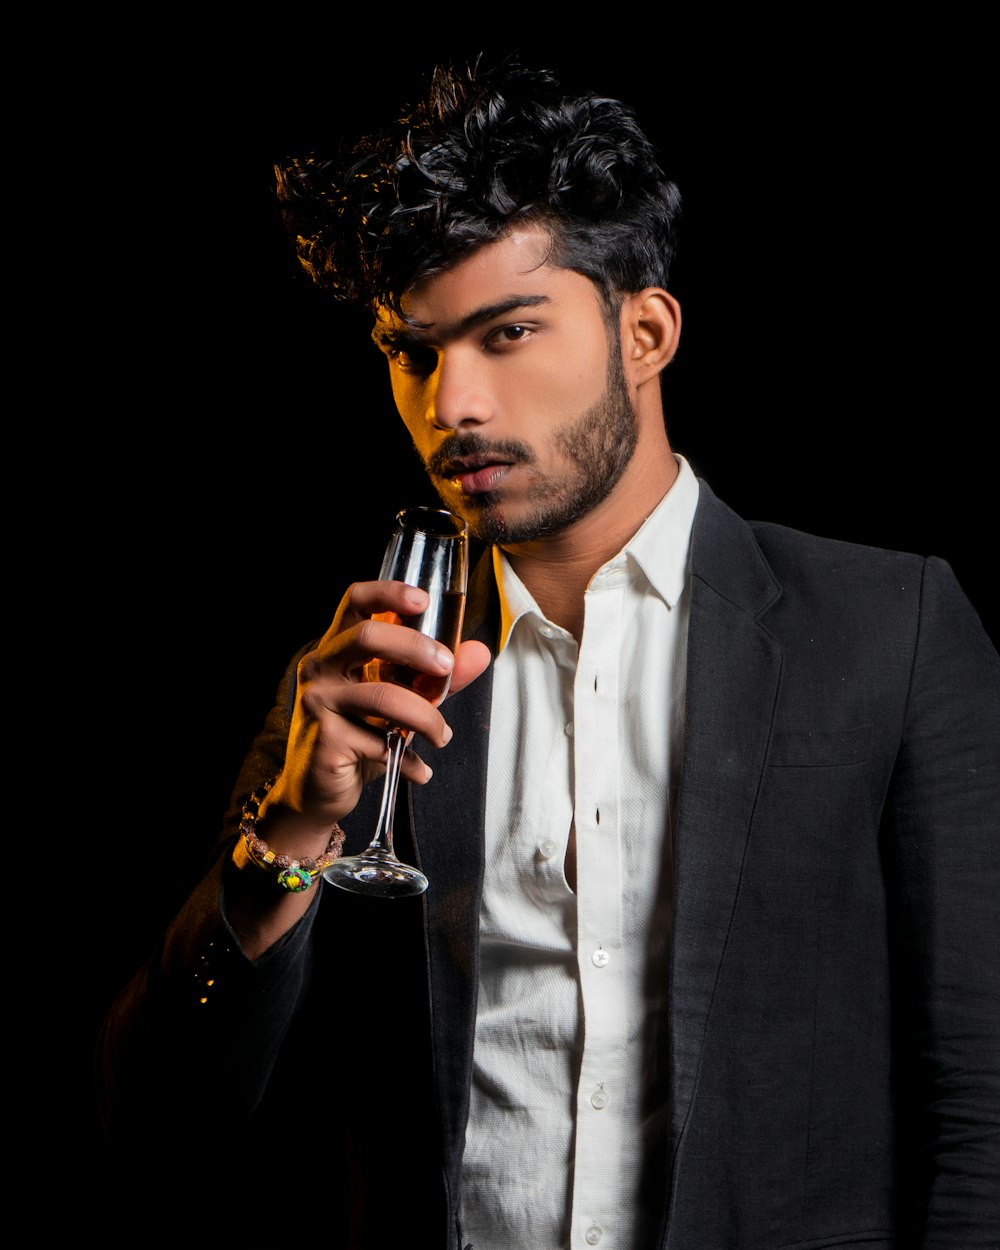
{"type": "Point", "coordinates": [396, 741]}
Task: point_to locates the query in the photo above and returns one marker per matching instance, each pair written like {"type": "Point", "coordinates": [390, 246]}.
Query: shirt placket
{"type": "Point", "coordinates": [600, 954]}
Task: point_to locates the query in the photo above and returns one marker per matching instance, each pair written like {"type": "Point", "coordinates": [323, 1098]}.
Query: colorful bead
{"type": "Point", "coordinates": [295, 879]}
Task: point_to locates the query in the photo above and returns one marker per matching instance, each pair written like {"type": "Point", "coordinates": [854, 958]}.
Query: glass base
{"type": "Point", "coordinates": [378, 873]}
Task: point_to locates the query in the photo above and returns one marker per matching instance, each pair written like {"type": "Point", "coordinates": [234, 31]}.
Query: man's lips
{"type": "Point", "coordinates": [477, 474]}
{"type": "Point", "coordinates": [475, 465]}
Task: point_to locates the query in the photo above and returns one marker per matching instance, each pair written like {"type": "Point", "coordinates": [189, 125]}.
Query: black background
{"type": "Point", "coordinates": [230, 458]}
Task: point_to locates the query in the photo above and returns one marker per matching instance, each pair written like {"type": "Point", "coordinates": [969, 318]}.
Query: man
{"type": "Point", "coordinates": [707, 958]}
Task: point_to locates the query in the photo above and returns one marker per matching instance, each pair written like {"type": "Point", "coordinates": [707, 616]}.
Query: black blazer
{"type": "Point", "coordinates": [834, 1017]}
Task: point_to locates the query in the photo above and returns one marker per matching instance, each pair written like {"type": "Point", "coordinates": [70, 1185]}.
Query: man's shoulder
{"type": "Point", "coordinates": [782, 544]}
{"type": "Point", "coordinates": [877, 588]}
{"type": "Point", "coordinates": [865, 592]}
{"type": "Point", "coordinates": [767, 562]}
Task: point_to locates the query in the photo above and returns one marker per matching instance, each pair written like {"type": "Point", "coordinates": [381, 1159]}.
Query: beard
{"type": "Point", "coordinates": [597, 447]}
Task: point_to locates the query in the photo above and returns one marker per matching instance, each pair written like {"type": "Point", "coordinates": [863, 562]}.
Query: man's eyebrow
{"type": "Point", "coordinates": [414, 331]}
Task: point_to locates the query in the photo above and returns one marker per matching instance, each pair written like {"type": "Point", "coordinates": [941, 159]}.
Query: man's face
{"type": "Point", "coordinates": [514, 399]}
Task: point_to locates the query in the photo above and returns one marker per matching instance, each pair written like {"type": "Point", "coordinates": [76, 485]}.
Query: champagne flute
{"type": "Point", "coordinates": [429, 548]}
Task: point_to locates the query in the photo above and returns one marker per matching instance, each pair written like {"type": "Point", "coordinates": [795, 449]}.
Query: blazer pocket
{"type": "Point", "coordinates": [820, 748]}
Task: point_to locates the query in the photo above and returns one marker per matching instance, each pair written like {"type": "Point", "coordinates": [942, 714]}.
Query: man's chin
{"type": "Point", "coordinates": [492, 519]}
{"type": "Point", "coordinates": [480, 512]}
{"type": "Point", "coordinates": [491, 523]}
{"type": "Point", "coordinates": [486, 518]}
{"type": "Point", "coordinates": [487, 522]}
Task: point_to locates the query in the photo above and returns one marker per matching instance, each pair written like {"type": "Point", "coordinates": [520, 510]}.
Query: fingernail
{"type": "Point", "coordinates": [448, 734]}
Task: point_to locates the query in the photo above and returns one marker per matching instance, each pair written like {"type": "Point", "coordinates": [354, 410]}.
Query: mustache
{"type": "Point", "coordinates": [460, 452]}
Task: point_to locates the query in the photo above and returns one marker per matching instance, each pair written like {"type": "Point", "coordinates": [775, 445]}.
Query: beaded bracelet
{"type": "Point", "coordinates": [294, 875]}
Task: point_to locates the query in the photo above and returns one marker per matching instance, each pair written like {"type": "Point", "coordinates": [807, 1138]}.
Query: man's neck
{"type": "Point", "coordinates": [557, 570]}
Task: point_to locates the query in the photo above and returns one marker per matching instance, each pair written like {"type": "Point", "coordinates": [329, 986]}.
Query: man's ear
{"type": "Point", "coordinates": [651, 330]}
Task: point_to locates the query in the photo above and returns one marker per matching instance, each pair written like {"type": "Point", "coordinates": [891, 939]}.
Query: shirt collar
{"type": "Point", "coordinates": [659, 549]}
{"type": "Point", "coordinates": [515, 600]}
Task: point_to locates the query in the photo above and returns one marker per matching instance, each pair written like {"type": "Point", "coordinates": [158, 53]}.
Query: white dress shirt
{"type": "Point", "coordinates": [569, 1085]}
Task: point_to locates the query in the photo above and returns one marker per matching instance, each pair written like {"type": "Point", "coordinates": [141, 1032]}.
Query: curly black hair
{"type": "Point", "coordinates": [488, 151]}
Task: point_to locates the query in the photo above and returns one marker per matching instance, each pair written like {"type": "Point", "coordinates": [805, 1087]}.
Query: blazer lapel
{"type": "Point", "coordinates": [732, 684]}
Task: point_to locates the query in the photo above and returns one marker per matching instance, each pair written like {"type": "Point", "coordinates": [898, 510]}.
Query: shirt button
{"type": "Point", "coordinates": [600, 959]}
{"type": "Point", "coordinates": [569, 730]}
{"type": "Point", "coordinates": [599, 1098]}
{"type": "Point", "coordinates": [547, 631]}
{"type": "Point", "coordinates": [547, 849]}
{"type": "Point", "coordinates": [593, 1235]}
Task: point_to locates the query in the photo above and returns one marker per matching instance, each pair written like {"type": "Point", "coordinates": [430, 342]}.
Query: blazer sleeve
{"type": "Point", "coordinates": [191, 1041]}
{"type": "Point", "coordinates": [942, 853]}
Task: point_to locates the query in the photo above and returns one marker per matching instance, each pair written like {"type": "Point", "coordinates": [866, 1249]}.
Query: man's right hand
{"type": "Point", "coordinates": [336, 744]}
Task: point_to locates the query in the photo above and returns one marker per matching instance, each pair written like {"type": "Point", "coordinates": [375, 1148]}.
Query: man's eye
{"type": "Point", "coordinates": [419, 360]}
{"type": "Point", "coordinates": [504, 336]}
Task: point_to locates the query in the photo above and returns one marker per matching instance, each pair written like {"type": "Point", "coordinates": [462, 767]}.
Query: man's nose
{"type": "Point", "coordinates": [459, 394]}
